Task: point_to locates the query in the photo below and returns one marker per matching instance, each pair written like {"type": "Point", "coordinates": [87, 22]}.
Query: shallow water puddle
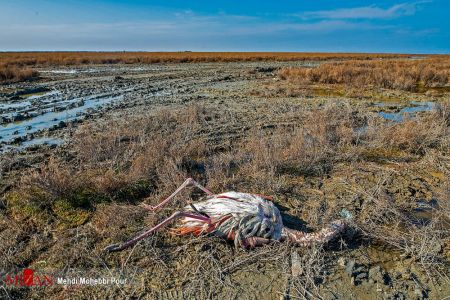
{"type": "Point", "coordinates": [426, 213]}
{"type": "Point", "coordinates": [406, 111]}
{"type": "Point", "coordinates": [23, 104]}
{"type": "Point", "coordinates": [41, 141]}
{"type": "Point", "coordinates": [41, 95]}
{"type": "Point", "coordinates": [34, 142]}
{"type": "Point", "coordinates": [60, 71]}
{"type": "Point", "coordinates": [30, 99]}
{"type": "Point", "coordinates": [49, 119]}
{"type": "Point", "coordinates": [99, 70]}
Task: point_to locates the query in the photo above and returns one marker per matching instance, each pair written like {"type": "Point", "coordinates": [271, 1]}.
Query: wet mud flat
{"type": "Point", "coordinates": [29, 113]}
{"type": "Point", "coordinates": [48, 118]}
{"type": "Point", "coordinates": [33, 114]}
{"type": "Point", "coordinates": [67, 96]}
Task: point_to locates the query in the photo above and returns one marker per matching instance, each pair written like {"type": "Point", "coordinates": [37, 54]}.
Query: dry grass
{"type": "Point", "coordinates": [391, 74]}
{"type": "Point", "coordinates": [10, 74]}
{"type": "Point", "coordinates": [79, 58]}
{"type": "Point", "coordinates": [415, 135]}
{"type": "Point", "coordinates": [116, 161]}
{"type": "Point", "coordinates": [125, 161]}
{"type": "Point", "coordinates": [390, 223]}
{"type": "Point", "coordinates": [87, 199]}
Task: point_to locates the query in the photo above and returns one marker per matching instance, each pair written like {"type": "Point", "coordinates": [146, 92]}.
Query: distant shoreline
{"type": "Point", "coordinates": [82, 58]}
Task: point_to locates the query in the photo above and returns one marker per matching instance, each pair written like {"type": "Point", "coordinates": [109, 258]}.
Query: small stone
{"type": "Point", "coordinates": [296, 266]}
{"type": "Point", "coordinates": [376, 274]}
{"type": "Point", "coordinates": [349, 267]}
{"type": "Point", "coordinates": [342, 261]}
{"type": "Point", "coordinates": [361, 276]}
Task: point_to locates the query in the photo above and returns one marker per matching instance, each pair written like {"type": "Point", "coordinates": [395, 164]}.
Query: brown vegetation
{"type": "Point", "coordinates": [79, 58]}
{"type": "Point", "coordinates": [407, 75]}
{"type": "Point", "coordinates": [392, 225]}
{"type": "Point", "coordinates": [128, 160]}
{"type": "Point", "coordinates": [16, 74]}
{"type": "Point", "coordinates": [315, 161]}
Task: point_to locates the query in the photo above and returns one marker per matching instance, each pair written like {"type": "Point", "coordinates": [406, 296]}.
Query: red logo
{"type": "Point", "coordinates": [28, 278]}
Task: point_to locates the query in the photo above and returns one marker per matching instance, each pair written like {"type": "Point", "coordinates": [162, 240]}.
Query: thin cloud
{"type": "Point", "coordinates": [186, 29]}
{"type": "Point", "coordinates": [176, 28]}
{"type": "Point", "coordinates": [310, 28]}
{"type": "Point", "coordinates": [366, 12]}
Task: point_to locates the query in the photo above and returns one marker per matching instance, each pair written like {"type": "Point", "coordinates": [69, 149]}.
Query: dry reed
{"type": "Point", "coordinates": [80, 58]}
{"type": "Point", "coordinates": [391, 74]}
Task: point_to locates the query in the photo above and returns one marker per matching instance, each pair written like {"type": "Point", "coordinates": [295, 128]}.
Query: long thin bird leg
{"type": "Point", "coordinates": [189, 182]}
{"type": "Point", "coordinates": [321, 237]}
{"type": "Point", "coordinates": [198, 185]}
{"type": "Point", "coordinates": [119, 247]}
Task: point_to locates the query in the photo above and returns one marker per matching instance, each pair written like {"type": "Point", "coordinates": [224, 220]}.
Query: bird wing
{"type": "Point", "coordinates": [233, 214]}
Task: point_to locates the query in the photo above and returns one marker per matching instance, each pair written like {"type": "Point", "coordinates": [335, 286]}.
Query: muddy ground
{"type": "Point", "coordinates": [39, 120]}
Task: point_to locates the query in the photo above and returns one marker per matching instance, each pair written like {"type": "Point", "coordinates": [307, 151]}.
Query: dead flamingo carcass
{"type": "Point", "coordinates": [249, 220]}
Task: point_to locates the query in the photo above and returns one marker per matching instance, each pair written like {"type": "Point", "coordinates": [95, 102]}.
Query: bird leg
{"type": "Point", "coordinates": [307, 239]}
{"type": "Point", "coordinates": [173, 217]}
{"type": "Point", "coordinates": [189, 182]}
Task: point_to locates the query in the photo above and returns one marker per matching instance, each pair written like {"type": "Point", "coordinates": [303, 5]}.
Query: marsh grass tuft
{"type": "Point", "coordinates": [389, 74]}
{"type": "Point", "coordinates": [10, 74]}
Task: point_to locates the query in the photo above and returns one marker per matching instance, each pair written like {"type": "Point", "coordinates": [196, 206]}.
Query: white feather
{"type": "Point", "coordinates": [238, 205]}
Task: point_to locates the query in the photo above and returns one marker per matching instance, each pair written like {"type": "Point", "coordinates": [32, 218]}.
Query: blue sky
{"type": "Point", "coordinates": [165, 25]}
